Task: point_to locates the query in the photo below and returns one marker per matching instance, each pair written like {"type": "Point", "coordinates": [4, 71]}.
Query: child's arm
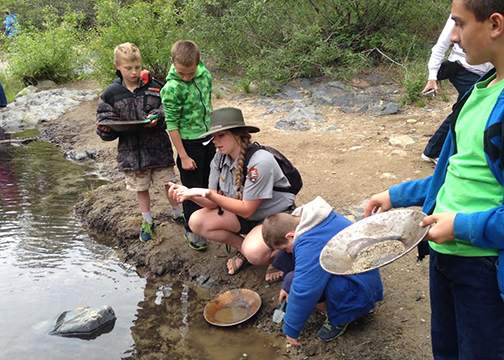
{"type": "Point", "coordinates": [172, 105]}
{"type": "Point", "coordinates": [188, 163]}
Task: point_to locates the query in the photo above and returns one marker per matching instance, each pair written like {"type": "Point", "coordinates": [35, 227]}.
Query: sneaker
{"type": "Point", "coordinates": [196, 242]}
{"type": "Point", "coordinates": [146, 232]}
{"type": "Point", "coordinates": [328, 333]}
{"type": "Point", "coordinates": [429, 159]}
{"type": "Point", "coordinates": [180, 219]}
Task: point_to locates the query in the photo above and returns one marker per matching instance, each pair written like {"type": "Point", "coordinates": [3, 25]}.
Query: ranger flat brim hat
{"type": "Point", "coordinates": [225, 119]}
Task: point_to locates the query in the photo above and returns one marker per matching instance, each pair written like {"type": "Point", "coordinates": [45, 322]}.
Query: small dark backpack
{"type": "Point", "coordinates": [290, 172]}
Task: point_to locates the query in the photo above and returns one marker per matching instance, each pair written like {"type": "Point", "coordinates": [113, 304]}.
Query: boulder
{"type": "Point", "coordinates": [85, 322]}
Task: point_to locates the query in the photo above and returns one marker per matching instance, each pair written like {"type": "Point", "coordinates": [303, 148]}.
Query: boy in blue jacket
{"type": "Point", "coordinates": [344, 298]}
{"type": "Point", "coordinates": [464, 198]}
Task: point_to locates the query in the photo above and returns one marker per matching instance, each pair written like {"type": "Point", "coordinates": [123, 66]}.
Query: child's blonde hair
{"type": "Point", "coordinates": [185, 53]}
{"type": "Point", "coordinates": [126, 51]}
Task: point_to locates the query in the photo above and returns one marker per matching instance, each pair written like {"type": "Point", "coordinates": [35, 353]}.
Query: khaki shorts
{"type": "Point", "coordinates": [141, 180]}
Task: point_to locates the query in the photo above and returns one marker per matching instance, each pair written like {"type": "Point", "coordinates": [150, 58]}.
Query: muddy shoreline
{"type": "Point", "coordinates": [344, 167]}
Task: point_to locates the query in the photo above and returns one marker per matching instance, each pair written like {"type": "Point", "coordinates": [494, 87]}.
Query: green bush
{"type": "Point", "coordinates": [52, 53]}
{"type": "Point", "coordinates": [152, 26]}
{"type": "Point", "coordinates": [275, 41]}
{"type": "Point", "coordinates": [266, 41]}
{"type": "Point", "coordinates": [11, 85]}
{"type": "Point", "coordinates": [414, 82]}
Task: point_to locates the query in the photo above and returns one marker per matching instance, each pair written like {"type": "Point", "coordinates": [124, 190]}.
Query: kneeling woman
{"type": "Point", "coordinates": [230, 206]}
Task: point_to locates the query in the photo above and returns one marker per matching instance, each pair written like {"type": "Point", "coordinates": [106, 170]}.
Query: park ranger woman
{"type": "Point", "coordinates": [237, 201]}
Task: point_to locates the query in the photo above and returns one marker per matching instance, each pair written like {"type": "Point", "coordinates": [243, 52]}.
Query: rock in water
{"type": "Point", "coordinates": [85, 322]}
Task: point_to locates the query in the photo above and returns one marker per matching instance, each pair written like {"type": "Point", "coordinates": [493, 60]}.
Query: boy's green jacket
{"type": "Point", "coordinates": [187, 104]}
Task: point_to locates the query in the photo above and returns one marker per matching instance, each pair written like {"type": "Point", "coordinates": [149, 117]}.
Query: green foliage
{"type": "Point", "coordinates": [51, 53]}
{"type": "Point", "coordinates": [28, 12]}
{"type": "Point", "coordinates": [414, 84]}
{"type": "Point", "coordinates": [151, 25]}
{"type": "Point", "coordinates": [11, 85]}
{"type": "Point", "coordinates": [275, 41]}
{"type": "Point", "coordinates": [266, 41]}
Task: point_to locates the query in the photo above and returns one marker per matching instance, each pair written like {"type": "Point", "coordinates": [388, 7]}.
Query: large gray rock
{"type": "Point", "coordinates": [35, 107]}
{"type": "Point", "coordinates": [84, 322]}
{"type": "Point", "coordinates": [46, 84]}
{"type": "Point", "coordinates": [304, 114]}
{"type": "Point", "coordinates": [27, 90]}
{"type": "Point", "coordinates": [295, 125]}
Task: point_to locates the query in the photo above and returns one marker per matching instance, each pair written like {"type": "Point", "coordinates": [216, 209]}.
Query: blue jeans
{"type": "Point", "coordinates": [467, 319]}
{"type": "Point", "coordinates": [462, 81]}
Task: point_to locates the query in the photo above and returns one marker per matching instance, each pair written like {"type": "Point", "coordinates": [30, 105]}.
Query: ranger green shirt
{"type": "Point", "coordinates": [187, 105]}
{"type": "Point", "coordinates": [470, 186]}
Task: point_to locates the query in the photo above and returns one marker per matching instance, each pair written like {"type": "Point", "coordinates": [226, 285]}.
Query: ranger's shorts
{"type": "Point", "coordinates": [141, 180]}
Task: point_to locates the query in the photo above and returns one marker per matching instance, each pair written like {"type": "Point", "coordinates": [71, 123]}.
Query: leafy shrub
{"type": "Point", "coordinates": [152, 26]}
{"type": "Point", "coordinates": [275, 41]}
{"type": "Point", "coordinates": [11, 85]}
{"type": "Point", "coordinates": [415, 80]}
{"type": "Point", "coordinates": [50, 53]}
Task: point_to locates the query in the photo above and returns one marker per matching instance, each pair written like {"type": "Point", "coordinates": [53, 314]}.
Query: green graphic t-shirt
{"type": "Point", "coordinates": [470, 185]}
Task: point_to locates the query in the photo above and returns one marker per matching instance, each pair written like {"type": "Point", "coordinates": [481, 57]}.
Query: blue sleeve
{"type": "Point", "coordinates": [485, 229]}
{"type": "Point", "coordinates": [411, 193]}
{"type": "Point", "coordinates": [309, 283]}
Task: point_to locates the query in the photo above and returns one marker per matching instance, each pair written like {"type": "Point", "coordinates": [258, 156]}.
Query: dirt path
{"type": "Point", "coordinates": [344, 166]}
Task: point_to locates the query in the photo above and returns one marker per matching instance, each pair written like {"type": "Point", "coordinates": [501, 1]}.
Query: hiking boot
{"type": "Point", "coordinates": [146, 232]}
{"type": "Point", "coordinates": [429, 159]}
{"type": "Point", "coordinates": [328, 333]}
{"type": "Point", "coordinates": [195, 242]}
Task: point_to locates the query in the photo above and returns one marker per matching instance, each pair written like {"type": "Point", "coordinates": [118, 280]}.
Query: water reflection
{"type": "Point", "coordinates": [170, 323]}
{"type": "Point", "coordinates": [48, 264]}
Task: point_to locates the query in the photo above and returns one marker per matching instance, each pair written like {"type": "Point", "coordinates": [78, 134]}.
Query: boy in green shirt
{"type": "Point", "coordinates": [187, 104]}
{"type": "Point", "coordinates": [464, 199]}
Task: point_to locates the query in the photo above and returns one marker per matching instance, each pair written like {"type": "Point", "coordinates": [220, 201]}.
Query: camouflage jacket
{"type": "Point", "coordinates": [187, 105]}
{"type": "Point", "coordinates": [147, 147]}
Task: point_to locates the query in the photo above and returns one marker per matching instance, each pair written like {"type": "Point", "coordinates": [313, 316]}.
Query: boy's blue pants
{"type": "Point", "coordinates": [467, 320]}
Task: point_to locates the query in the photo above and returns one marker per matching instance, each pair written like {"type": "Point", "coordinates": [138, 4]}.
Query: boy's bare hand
{"type": "Point", "coordinates": [103, 128]}
{"type": "Point", "coordinates": [188, 164]}
{"type": "Point", "coordinates": [283, 294]}
{"type": "Point", "coordinates": [377, 202]}
{"type": "Point", "coordinates": [441, 230]}
{"type": "Point", "coordinates": [292, 341]}
{"type": "Point", "coordinates": [152, 123]}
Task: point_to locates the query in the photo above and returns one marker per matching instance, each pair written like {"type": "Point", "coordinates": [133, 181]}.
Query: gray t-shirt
{"type": "Point", "coordinates": [263, 173]}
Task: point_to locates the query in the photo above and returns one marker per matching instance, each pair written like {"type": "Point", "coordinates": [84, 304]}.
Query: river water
{"type": "Point", "coordinates": [48, 265]}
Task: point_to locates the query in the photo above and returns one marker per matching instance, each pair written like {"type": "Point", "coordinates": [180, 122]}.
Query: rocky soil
{"type": "Point", "coordinates": [345, 150]}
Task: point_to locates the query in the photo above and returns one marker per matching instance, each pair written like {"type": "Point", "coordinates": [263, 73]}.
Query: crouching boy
{"type": "Point", "coordinates": [343, 298]}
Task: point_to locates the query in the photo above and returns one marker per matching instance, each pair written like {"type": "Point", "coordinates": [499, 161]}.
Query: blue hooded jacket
{"type": "Point", "coordinates": [347, 297]}
{"type": "Point", "coordinates": [11, 28]}
{"type": "Point", "coordinates": [485, 229]}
